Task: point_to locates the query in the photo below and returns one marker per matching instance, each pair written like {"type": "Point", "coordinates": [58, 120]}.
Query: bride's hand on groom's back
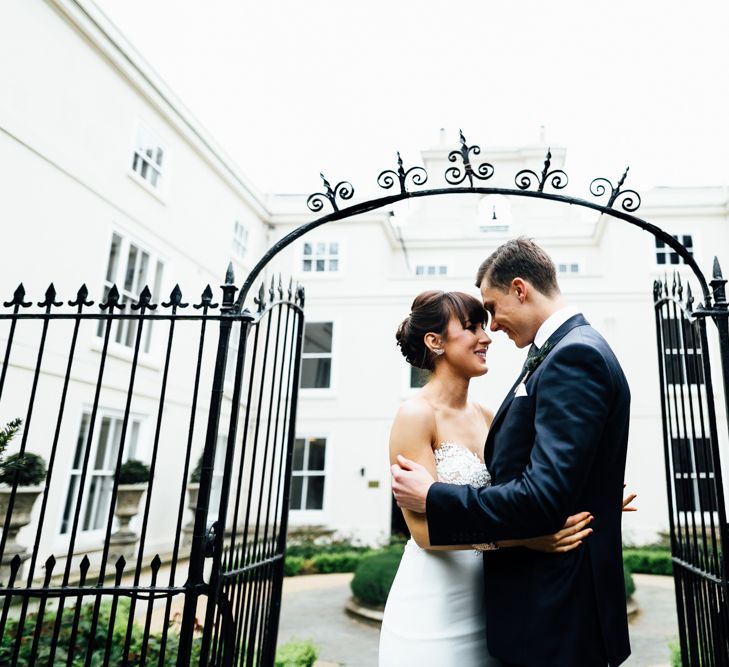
{"type": "Point", "coordinates": [575, 529]}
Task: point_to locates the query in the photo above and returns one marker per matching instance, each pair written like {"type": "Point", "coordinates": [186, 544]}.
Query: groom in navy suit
{"type": "Point", "coordinates": [556, 447]}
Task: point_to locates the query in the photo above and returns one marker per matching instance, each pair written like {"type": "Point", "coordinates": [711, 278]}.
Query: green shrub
{"type": "Point", "coordinates": [374, 576]}
{"type": "Point", "coordinates": [8, 432]}
{"type": "Point", "coordinates": [675, 649]}
{"type": "Point", "coordinates": [310, 548]}
{"type": "Point", "coordinates": [346, 561]}
{"type": "Point", "coordinates": [133, 472]}
{"type": "Point", "coordinates": [196, 473]}
{"type": "Point", "coordinates": [27, 469]}
{"type": "Point", "coordinates": [84, 639]}
{"type": "Point", "coordinates": [648, 561]}
{"type": "Point", "coordinates": [293, 565]}
{"type": "Point", "coordinates": [296, 653]}
{"type": "Point", "coordinates": [629, 583]}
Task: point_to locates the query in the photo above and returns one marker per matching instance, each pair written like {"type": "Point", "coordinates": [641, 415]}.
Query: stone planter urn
{"type": "Point", "coordinates": [25, 498]}
{"type": "Point", "coordinates": [124, 541]}
{"type": "Point", "coordinates": [192, 490]}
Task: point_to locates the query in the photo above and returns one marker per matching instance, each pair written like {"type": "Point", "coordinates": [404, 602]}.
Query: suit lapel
{"type": "Point", "coordinates": [574, 321]}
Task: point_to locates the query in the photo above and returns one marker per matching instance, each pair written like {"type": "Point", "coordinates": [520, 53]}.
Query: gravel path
{"type": "Point", "coordinates": [313, 608]}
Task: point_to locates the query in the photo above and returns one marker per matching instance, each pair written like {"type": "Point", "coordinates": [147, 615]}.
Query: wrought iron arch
{"type": "Point", "coordinates": [621, 203]}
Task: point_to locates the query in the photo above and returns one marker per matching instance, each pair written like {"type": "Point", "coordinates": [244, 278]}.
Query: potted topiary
{"type": "Point", "coordinates": [193, 487]}
{"type": "Point", "coordinates": [133, 479]}
{"type": "Point", "coordinates": [25, 472]}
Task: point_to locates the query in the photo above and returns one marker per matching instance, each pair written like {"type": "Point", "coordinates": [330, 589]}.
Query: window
{"type": "Point", "coordinates": [418, 377]}
{"type": "Point", "coordinates": [148, 154]}
{"type": "Point", "coordinates": [494, 214]}
{"type": "Point", "coordinates": [101, 466]}
{"type": "Point", "coordinates": [321, 257]}
{"type": "Point", "coordinates": [316, 358]}
{"type": "Point", "coordinates": [694, 474]}
{"type": "Point", "coordinates": [682, 352]}
{"type": "Point", "coordinates": [307, 474]}
{"type": "Point", "coordinates": [130, 268]}
{"type": "Point", "coordinates": [240, 239]}
{"type": "Point", "coordinates": [568, 268]}
{"type": "Point", "coordinates": [431, 270]}
{"type": "Point", "coordinates": [666, 255]}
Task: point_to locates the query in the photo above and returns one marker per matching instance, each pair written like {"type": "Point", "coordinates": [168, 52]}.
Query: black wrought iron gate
{"type": "Point", "coordinates": [694, 479]}
{"type": "Point", "coordinates": [195, 578]}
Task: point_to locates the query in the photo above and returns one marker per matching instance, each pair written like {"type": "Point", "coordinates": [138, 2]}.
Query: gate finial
{"type": "Point", "coordinates": [718, 286]}
{"type": "Point", "coordinates": [527, 178]}
{"type": "Point", "coordinates": [386, 179]}
{"type": "Point", "coordinates": [343, 190]}
{"type": "Point", "coordinates": [456, 175]}
{"type": "Point", "coordinates": [81, 296]}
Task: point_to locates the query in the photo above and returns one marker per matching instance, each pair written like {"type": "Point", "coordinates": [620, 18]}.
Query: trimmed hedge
{"type": "Point", "coordinates": [629, 583]}
{"type": "Point", "coordinates": [343, 562]}
{"type": "Point", "coordinates": [648, 561]}
{"type": "Point", "coordinates": [374, 576]}
{"type": "Point", "coordinates": [293, 565]}
{"type": "Point", "coordinates": [296, 653]}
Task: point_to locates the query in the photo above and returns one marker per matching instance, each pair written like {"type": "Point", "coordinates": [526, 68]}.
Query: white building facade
{"type": "Point", "coordinates": [108, 179]}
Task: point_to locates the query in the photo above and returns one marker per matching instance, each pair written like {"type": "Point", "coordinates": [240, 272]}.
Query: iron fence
{"type": "Point", "coordinates": [195, 576]}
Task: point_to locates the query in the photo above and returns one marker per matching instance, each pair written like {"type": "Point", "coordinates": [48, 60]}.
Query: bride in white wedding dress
{"type": "Point", "coordinates": [434, 614]}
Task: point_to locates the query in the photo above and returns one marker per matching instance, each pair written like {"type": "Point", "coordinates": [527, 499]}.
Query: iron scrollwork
{"type": "Point", "coordinates": [456, 175]}
{"type": "Point", "coordinates": [386, 179]}
{"type": "Point", "coordinates": [629, 199]}
{"type": "Point", "coordinates": [344, 190]}
{"type": "Point", "coordinates": [526, 179]}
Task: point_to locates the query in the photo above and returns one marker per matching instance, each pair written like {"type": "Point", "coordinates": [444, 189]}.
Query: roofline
{"type": "Point", "coordinates": [101, 32]}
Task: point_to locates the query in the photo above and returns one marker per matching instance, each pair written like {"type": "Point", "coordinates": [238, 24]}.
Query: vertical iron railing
{"type": "Point", "coordinates": [694, 479]}
{"type": "Point", "coordinates": [201, 581]}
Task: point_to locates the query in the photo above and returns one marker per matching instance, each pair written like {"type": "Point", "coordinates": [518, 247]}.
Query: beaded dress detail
{"type": "Point", "coordinates": [457, 465]}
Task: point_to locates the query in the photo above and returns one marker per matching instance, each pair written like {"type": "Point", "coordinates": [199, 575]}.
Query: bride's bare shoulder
{"type": "Point", "coordinates": [415, 419]}
{"type": "Point", "coordinates": [487, 414]}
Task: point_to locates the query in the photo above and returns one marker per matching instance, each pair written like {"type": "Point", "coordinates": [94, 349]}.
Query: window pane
{"type": "Point", "coordinates": [334, 265]}
{"type": "Point", "coordinates": [442, 270]}
{"type": "Point", "coordinates": [101, 448]}
{"type": "Point", "coordinates": [320, 264]}
{"type": "Point", "coordinates": [131, 263]}
{"type": "Point", "coordinates": [318, 337]}
{"type": "Point", "coordinates": [315, 373]}
{"type": "Point", "coordinates": [298, 459]}
{"type": "Point", "coordinates": [333, 248]}
{"type": "Point", "coordinates": [295, 496]}
{"type": "Point", "coordinates": [307, 248]}
{"type": "Point", "coordinates": [307, 265]}
{"type": "Point", "coordinates": [113, 258]}
{"type": "Point", "coordinates": [81, 442]}
{"type": "Point", "coordinates": [660, 244]}
{"type": "Point", "coordinates": [321, 248]}
{"type": "Point", "coordinates": [317, 447]}
{"type": "Point", "coordinates": [418, 377]}
{"type": "Point", "coordinates": [431, 270]}
{"type": "Point", "coordinates": [419, 270]}
{"type": "Point", "coordinates": [688, 241]}
{"type": "Point", "coordinates": [660, 259]}
{"type": "Point", "coordinates": [315, 493]}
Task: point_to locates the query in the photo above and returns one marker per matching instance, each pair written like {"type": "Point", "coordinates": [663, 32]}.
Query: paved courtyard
{"type": "Point", "coordinates": [313, 608]}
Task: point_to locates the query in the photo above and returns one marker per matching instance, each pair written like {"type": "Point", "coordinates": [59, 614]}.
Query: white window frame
{"type": "Point", "coordinates": [666, 251]}
{"type": "Point", "coordinates": [142, 164]}
{"type": "Point", "coordinates": [320, 391]}
{"type": "Point", "coordinates": [133, 448]}
{"type": "Point", "coordinates": [431, 270]}
{"type": "Point", "coordinates": [569, 268]}
{"type": "Point", "coordinates": [123, 333]}
{"type": "Point", "coordinates": [316, 255]}
{"type": "Point", "coordinates": [241, 237]}
{"type": "Point", "coordinates": [305, 473]}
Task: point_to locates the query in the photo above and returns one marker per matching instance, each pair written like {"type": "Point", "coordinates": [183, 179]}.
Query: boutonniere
{"type": "Point", "coordinates": [530, 366]}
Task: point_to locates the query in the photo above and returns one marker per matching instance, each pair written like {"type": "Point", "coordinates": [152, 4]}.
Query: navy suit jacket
{"type": "Point", "coordinates": [555, 452]}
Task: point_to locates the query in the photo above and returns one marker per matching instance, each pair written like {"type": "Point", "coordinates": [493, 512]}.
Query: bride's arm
{"type": "Point", "coordinates": [412, 435]}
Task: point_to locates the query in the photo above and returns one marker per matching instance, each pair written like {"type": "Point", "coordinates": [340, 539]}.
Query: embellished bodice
{"type": "Point", "coordinates": [457, 465]}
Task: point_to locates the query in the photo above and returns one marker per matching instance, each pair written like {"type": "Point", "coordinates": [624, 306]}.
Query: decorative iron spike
{"type": "Point", "coordinates": [48, 566]}
{"type": "Point", "coordinates": [272, 290]}
{"type": "Point", "coordinates": [456, 175]}
{"type": "Point", "coordinates": [143, 302]}
{"type": "Point", "coordinates": [673, 285]}
{"type": "Point", "coordinates": [689, 297]}
{"type": "Point", "coordinates": [120, 564]}
{"type": "Point", "coordinates": [526, 178]}
{"type": "Point", "coordinates": [15, 564]}
{"type": "Point", "coordinates": [81, 296]}
{"type": "Point", "coordinates": [175, 299]}
{"type": "Point", "coordinates": [344, 190]}
{"type": "Point", "coordinates": [206, 299]}
{"type": "Point", "coordinates": [50, 299]}
{"type": "Point", "coordinates": [630, 198]}
{"type": "Point", "coordinates": [229, 274]}
{"type": "Point", "coordinates": [18, 298]}
{"type": "Point", "coordinates": [291, 287]}
{"type": "Point", "coordinates": [386, 179]}
{"type": "Point", "coordinates": [718, 287]}
{"type": "Point", "coordinates": [716, 269]}
{"type": "Point", "coordinates": [280, 288]}
{"type": "Point", "coordinates": [657, 287]}
{"type": "Point", "coordinates": [112, 300]}
{"type": "Point", "coordinates": [156, 563]}
{"type": "Point", "coordinates": [84, 565]}
{"type": "Point", "coordinates": [301, 293]}
{"type": "Point", "coordinates": [260, 300]}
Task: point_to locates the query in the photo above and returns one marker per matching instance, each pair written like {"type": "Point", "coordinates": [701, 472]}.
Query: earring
{"type": "Point", "coordinates": [437, 351]}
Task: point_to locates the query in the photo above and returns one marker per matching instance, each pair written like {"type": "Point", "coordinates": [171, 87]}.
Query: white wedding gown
{"type": "Point", "coordinates": [434, 614]}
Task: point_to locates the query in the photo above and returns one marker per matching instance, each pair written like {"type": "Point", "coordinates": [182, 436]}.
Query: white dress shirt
{"type": "Point", "coordinates": [552, 323]}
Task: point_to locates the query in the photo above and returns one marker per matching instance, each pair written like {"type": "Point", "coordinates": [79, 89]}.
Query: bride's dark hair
{"type": "Point", "coordinates": [430, 313]}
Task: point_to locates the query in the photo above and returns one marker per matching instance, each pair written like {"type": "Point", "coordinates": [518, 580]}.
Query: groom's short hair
{"type": "Point", "coordinates": [519, 258]}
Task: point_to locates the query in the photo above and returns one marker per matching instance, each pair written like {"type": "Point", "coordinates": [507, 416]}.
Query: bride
{"type": "Point", "coordinates": [434, 614]}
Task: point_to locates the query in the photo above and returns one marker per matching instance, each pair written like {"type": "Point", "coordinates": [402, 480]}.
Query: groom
{"type": "Point", "coordinates": [557, 446]}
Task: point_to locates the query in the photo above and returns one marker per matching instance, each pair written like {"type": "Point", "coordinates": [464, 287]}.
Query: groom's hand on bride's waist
{"type": "Point", "coordinates": [410, 484]}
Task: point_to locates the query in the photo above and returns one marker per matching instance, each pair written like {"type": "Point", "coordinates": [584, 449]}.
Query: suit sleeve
{"type": "Point", "coordinates": [573, 399]}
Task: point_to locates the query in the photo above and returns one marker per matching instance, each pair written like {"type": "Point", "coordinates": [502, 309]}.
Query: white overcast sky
{"type": "Point", "coordinates": [292, 87]}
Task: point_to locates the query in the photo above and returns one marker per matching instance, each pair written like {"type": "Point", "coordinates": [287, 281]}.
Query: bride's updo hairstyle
{"type": "Point", "coordinates": [430, 313]}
